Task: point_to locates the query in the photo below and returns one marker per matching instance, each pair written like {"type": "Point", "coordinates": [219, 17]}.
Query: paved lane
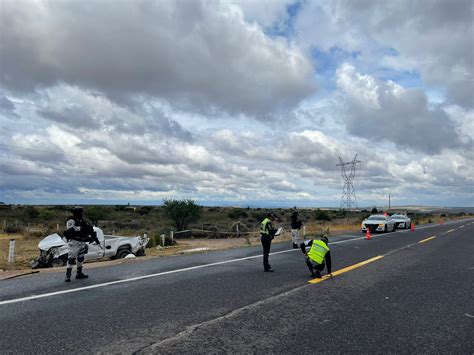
{"type": "Point", "coordinates": [142, 312]}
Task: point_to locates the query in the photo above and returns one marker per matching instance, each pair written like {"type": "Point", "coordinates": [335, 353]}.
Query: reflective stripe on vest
{"type": "Point", "coordinates": [318, 251]}
{"type": "Point", "coordinates": [264, 226]}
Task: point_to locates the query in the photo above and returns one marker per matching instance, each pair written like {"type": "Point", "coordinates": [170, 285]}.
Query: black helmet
{"type": "Point", "coordinates": [77, 211]}
{"type": "Point", "coordinates": [325, 240]}
{"type": "Point", "coordinates": [271, 214]}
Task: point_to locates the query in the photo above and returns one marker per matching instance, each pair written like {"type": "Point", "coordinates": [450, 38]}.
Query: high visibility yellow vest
{"type": "Point", "coordinates": [264, 226]}
{"type": "Point", "coordinates": [318, 251]}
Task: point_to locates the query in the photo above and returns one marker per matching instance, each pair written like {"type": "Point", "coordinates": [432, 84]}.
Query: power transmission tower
{"type": "Point", "coordinates": [348, 170]}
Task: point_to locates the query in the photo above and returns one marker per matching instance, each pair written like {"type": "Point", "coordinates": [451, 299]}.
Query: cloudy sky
{"type": "Point", "coordinates": [246, 102]}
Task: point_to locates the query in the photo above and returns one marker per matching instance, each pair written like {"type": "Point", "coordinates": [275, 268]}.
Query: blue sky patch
{"type": "Point", "coordinates": [285, 28]}
{"type": "Point", "coordinates": [405, 78]}
{"type": "Point", "coordinates": [327, 62]}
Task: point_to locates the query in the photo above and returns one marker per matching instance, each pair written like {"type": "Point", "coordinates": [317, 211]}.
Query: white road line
{"type": "Point", "coordinates": [34, 297]}
{"type": "Point", "coordinates": [44, 295]}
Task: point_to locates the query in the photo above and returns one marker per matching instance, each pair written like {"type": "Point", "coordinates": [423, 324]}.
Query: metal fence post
{"type": "Point", "coordinates": [11, 254]}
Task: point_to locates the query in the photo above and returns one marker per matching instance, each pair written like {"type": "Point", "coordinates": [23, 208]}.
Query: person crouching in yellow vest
{"type": "Point", "coordinates": [318, 256]}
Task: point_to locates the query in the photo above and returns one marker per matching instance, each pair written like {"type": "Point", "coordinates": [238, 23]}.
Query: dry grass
{"type": "Point", "coordinates": [26, 249]}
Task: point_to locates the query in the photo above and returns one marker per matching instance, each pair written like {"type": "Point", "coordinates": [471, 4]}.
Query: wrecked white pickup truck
{"type": "Point", "coordinates": [54, 249]}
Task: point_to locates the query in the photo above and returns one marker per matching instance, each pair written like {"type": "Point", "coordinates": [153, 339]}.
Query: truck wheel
{"type": "Point", "coordinates": [122, 253]}
{"type": "Point", "coordinates": [57, 262]}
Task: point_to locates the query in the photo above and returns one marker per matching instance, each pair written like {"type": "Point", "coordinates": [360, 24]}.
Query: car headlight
{"type": "Point", "coordinates": [381, 225]}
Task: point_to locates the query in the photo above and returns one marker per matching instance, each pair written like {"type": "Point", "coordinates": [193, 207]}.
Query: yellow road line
{"type": "Point", "coordinates": [346, 269]}
{"type": "Point", "coordinates": [449, 231]}
{"type": "Point", "coordinates": [425, 240]}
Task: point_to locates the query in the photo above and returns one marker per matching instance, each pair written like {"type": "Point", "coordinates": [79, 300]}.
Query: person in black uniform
{"type": "Point", "coordinates": [267, 233]}
{"type": "Point", "coordinates": [78, 233]}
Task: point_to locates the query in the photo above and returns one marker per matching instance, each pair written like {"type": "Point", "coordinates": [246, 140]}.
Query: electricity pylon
{"type": "Point", "coordinates": [348, 170]}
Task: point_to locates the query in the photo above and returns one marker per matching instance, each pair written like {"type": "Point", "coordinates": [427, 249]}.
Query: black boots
{"type": "Point", "coordinates": [80, 274]}
{"type": "Point", "coordinates": [68, 275]}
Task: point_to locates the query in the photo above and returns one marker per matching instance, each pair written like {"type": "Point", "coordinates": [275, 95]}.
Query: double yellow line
{"type": "Point", "coordinates": [355, 266]}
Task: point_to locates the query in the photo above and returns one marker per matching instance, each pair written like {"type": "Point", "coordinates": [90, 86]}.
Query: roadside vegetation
{"type": "Point", "coordinates": [189, 221]}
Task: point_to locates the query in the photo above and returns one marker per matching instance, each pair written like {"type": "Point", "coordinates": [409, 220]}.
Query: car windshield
{"type": "Point", "coordinates": [398, 216]}
{"type": "Point", "coordinates": [379, 218]}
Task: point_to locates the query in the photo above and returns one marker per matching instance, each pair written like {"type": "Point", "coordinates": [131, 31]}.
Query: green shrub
{"type": "Point", "coordinates": [237, 213]}
{"type": "Point", "coordinates": [341, 214]}
{"type": "Point", "coordinates": [46, 215]}
{"type": "Point", "coordinates": [144, 210]}
{"type": "Point", "coordinates": [321, 215]}
{"type": "Point", "coordinates": [259, 216]}
{"type": "Point", "coordinates": [31, 212]}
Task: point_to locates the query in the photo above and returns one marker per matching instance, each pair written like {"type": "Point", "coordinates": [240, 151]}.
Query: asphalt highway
{"type": "Point", "coordinates": [415, 295]}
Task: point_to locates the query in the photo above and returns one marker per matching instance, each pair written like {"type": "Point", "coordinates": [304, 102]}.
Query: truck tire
{"type": "Point", "coordinates": [122, 252]}
{"type": "Point", "coordinates": [58, 262]}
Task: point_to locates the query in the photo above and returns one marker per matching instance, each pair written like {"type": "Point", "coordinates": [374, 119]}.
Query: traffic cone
{"type": "Point", "coordinates": [412, 226]}
{"type": "Point", "coordinates": [367, 234]}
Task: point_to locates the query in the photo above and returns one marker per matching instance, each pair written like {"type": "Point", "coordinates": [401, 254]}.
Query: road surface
{"type": "Point", "coordinates": [409, 292]}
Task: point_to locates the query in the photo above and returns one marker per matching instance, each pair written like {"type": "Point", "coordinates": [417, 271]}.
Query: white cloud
{"type": "Point", "coordinates": [384, 110]}
{"type": "Point", "coordinates": [198, 55]}
{"type": "Point", "coordinates": [434, 38]}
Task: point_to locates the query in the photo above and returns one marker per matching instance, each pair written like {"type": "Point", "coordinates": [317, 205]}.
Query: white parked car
{"type": "Point", "coordinates": [378, 223]}
{"type": "Point", "coordinates": [401, 220]}
{"type": "Point", "coordinates": [54, 249]}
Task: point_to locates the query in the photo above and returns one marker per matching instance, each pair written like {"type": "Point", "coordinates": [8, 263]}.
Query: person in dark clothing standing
{"type": "Point", "coordinates": [78, 233]}
{"type": "Point", "coordinates": [295, 229]}
{"type": "Point", "coordinates": [318, 256]}
{"type": "Point", "coordinates": [267, 233]}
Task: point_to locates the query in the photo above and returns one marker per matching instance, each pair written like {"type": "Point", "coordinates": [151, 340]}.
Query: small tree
{"type": "Point", "coordinates": [95, 214]}
{"type": "Point", "coordinates": [374, 210]}
{"type": "Point", "coordinates": [182, 212]}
